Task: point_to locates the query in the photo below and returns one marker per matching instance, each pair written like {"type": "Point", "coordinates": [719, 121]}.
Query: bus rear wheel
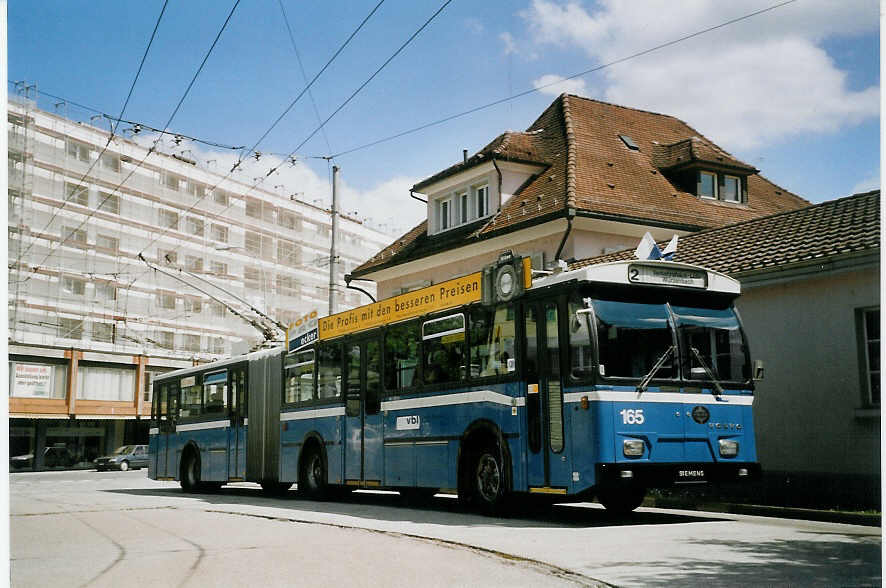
{"type": "Point", "coordinates": [621, 500]}
{"type": "Point", "coordinates": [312, 477]}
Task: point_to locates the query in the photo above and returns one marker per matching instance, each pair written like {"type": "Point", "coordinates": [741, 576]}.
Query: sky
{"type": "Point", "coordinates": [794, 91]}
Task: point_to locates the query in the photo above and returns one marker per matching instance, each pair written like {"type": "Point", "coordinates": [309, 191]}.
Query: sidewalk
{"type": "Point", "coordinates": [827, 516]}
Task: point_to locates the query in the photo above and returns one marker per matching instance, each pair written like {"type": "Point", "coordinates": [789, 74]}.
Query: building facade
{"type": "Point", "coordinates": [124, 264]}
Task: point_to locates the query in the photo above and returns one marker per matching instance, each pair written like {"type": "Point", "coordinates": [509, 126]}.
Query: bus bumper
{"type": "Point", "coordinates": [662, 475]}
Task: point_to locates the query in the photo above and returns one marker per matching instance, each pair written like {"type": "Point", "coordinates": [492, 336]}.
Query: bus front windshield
{"type": "Point", "coordinates": [657, 338]}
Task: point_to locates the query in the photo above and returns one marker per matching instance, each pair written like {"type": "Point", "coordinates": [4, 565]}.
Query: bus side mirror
{"type": "Point", "coordinates": [758, 369]}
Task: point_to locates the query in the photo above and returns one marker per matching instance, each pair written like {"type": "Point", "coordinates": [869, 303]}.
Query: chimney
{"type": "Point", "coordinates": [464, 155]}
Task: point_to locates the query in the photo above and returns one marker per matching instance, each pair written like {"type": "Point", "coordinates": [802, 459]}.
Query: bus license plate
{"type": "Point", "coordinates": [691, 475]}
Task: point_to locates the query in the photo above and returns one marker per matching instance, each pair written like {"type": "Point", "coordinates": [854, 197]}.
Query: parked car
{"type": "Point", "coordinates": [124, 458]}
{"type": "Point", "coordinates": [58, 455]}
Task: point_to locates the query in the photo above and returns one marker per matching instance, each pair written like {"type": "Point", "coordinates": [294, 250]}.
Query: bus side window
{"type": "Point", "coordinates": [581, 349]}
{"type": "Point", "coordinates": [329, 370]}
{"type": "Point", "coordinates": [373, 377]}
{"type": "Point", "coordinates": [492, 341]}
{"type": "Point", "coordinates": [299, 386]}
{"type": "Point", "coordinates": [215, 393]}
{"type": "Point", "coordinates": [444, 349]}
{"type": "Point", "coordinates": [401, 356]}
{"type": "Point", "coordinates": [192, 399]}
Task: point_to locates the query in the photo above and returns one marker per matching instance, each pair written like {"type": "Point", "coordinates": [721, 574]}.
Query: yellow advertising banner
{"type": "Point", "coordinates": [449, 294]}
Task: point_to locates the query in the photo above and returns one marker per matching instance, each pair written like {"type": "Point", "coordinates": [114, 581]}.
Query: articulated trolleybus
{"type": "Point", "coordinates": [602, 381]}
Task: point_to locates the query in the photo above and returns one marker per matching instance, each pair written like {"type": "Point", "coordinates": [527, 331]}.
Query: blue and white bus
{"type": "Point", "coordinates": [602, 381]}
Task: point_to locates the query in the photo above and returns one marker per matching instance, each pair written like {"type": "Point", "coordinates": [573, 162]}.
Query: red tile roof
{"type": "Point", "coordinates": [593, 173]}
{"type": "Point", "coordinates": [818, 232]}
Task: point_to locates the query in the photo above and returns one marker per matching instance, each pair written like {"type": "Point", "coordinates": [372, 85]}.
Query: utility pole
{"type": "Point", "coordinates": [332, 256]}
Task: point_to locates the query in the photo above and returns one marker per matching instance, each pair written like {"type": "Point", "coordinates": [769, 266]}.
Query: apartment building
{"type": "Point", "coordinates": [124, 264]}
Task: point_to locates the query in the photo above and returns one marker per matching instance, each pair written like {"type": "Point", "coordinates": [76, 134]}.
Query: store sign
{"type": "Point", "coordinates": [32, 380]}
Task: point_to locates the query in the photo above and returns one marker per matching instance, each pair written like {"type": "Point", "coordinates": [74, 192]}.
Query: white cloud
{"type": "Point", "coordinates": [388, 205]}
{"type": "Point", "coordinates": [507, 40]}
{"type": "Point", "coordinates": [555, 85]}
{"type": "Point", "coordinates": [474, 25]}
{"type": "Point", "coordinates": [866, 185]}
{"type": "Point", "coordinates": [753, 82]}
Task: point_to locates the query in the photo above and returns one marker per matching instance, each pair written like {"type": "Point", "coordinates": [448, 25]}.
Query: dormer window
{"type": "Point", "coordinates": [461, 206]}
{"type": "Point", "coordinates": [720, 186]}
{"type": "Point", "coordinates": [707, 184]}
{"type": "Point", "coordinates": [731, 188]}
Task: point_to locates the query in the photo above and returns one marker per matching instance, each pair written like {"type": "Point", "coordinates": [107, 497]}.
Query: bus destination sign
{"type": "Point", "coordinates": [449, 294]}
{"type": "Point", "coordinates": [663, 275]}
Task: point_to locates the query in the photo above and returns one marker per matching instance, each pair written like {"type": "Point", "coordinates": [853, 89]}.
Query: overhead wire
{"type": "Point", "coordinates": [273, 125]}
{"type": "Point", "coordinates": [154, 146]}
{"type": "Point", "coordinates": [113, 128]}
{"type": "Point", "coordinates": [560, 81]}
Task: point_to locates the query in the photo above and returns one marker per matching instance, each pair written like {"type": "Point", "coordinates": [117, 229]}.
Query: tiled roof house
{"type": "Point", "coordinates": [586, 178]}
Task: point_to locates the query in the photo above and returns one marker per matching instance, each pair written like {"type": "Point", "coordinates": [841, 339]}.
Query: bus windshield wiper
{"type": "Point", "coordinates": [709, 372]}
{"type": "Point", "coordinates": [644, 383]}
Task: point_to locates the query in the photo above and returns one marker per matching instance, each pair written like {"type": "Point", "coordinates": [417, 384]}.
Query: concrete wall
{"type": "Point", "coordinates": [809, 411]}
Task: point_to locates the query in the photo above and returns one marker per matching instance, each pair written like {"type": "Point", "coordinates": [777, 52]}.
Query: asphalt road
{"type": "Point", "coordinates": [121, 529]}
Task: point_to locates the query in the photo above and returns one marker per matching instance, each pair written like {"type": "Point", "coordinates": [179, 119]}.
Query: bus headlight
{"type": "Point", "coordinates": [633, 447]}
{"type": "Point", "coordinates": [728, 448]}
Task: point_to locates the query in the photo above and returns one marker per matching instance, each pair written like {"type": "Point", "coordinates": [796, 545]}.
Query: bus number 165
{"type": "Point", "coordinates": [631, 416]}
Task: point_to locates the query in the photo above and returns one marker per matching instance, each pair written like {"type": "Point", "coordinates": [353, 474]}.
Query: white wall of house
{"type": "Point", "coordinates": [809, 410]}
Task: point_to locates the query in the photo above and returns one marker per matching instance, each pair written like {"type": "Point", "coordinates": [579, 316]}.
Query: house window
{"type": "Point", "coordinates": [167, 257]}
{"type": "Point", "coordinates": [166, 339]}
{"type": "Point", "coordinates": [482, 201]}
{"type": "Point", "coordinates": [111, 161]}
{"type": "Point", "coordinates": [253, 208]}
{"type": "Point", "coordinates": [197, 189]}
{"type": "Point", "coordinates": [731, 189]}
{"type": "Point", "coordinates": [707, 184]}
{"type": "Point", "coordinates": [193, 305]}
{"type": "Point", "coordinates": [106, 242]}
{"type": "Point", "coordinates": [73, 286]}
{"type": "Point", "coordinates": [79, 150]}
{"type": "Point", "coordinates": [171, 181]}
{"type": "Point", "coordinates": [194, 226]}
{"type": "Point", "coordinates": [218, 268]}
{"type": "Point", "coordinates": [870, 337]}
{"type": "Point", "coordinates": [165, 300]}
{"type": "Point", "coordinates": [69, 328]}
{"type": "Point", "coordinates": [71, 234]}
{"type": "Point", "coordinates": [168, 219]}
{"type": "Point", "coordinates": [191, 342]}
{"type": "Point", "coordinates": [77, 194]}
{"type": "Point", "coordinates": [220, 197]}
{"type": "Point", "coordinates": [252, 277]}
{"type": "Point", "coordinates": [286, 252]}
{"type": "Point", "coordinates": [444, 211]}
{"type": "Point", "coordinates": [193, 263]}
{"type": "Point", "coordinates": [103, 332]}
{"type": "Point", "coordinates": [253, 242]}
{"type": "Point", "coordinates": [464, 207]}
{"type": "Point", "coordinates": [105, 291]}
{"type": "Point", "coordinates": [219, 233]}
{"type": "Point", "coordinates": [217, 309]}
{"type": "Point", "coordinates": [109, 202]}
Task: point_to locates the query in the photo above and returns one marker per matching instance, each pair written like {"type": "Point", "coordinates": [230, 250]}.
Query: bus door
{"type": "Point", "coordinates": [547, 464]}
{"type": "Point", "coordinates": [167, 412]}
{"type": "Point", "coordinates": [237, 430]}
{"type": "Point", "coordinates": [363, 418]}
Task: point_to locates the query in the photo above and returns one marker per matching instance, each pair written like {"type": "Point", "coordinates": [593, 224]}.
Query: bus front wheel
{"type": "Point", "coordinates": [312, 479]}
{"type": "Point", "coordinates": [488, 487]}
{"type": "Point", "coordinates": [621, 500]}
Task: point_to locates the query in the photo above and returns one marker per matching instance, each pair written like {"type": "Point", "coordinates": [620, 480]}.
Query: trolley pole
{"type": "Point", "coordinates": [332, 256]}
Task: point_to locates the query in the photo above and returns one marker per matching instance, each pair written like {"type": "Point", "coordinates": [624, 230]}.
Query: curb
{"type": "Point", "coordinates": [826, 516]}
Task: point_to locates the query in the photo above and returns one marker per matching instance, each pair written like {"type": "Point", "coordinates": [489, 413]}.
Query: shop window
{"type": "Point", "coordinates": [37, 380]}
{"type": "Point", "coordinates": [105, 383]}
